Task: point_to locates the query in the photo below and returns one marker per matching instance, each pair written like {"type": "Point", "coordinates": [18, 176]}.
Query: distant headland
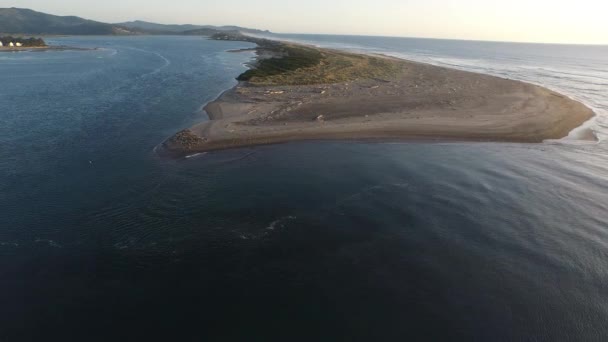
{"type": "Point", "coordinates": [298, 92]}
{"type": "Point", "coordinates": [14, 44]}
{"type": "Point", "coordinates": [21, 44]}
{"type": "Point", "coordinates": [9, 41]}
{"type": "Point", "coordinates": [21, 21]}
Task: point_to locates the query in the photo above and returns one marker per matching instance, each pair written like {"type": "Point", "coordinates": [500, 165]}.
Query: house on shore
{"type": "Point", "coordinates": [19, 42]}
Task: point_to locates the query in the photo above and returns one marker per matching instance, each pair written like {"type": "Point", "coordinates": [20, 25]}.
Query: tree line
{"type": "Point", "coordinates": [27, 42]}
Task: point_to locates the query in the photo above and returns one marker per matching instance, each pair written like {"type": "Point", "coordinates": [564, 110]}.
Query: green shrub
{"type": "Point", "coordinates": [294, 58]}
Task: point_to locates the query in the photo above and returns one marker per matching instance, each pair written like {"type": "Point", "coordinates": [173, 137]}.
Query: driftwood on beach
{"type": "Point", "coordinates": [296, 92]}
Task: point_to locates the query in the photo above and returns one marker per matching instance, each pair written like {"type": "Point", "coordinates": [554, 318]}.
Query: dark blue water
{"type": "Point", "coordinates": [101, 240]}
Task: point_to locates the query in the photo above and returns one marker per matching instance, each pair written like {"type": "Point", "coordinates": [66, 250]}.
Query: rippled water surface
{"type": "Point", "coordinates": [102, 240]}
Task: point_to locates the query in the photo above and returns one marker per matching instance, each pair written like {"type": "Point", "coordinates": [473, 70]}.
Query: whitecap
{"type": "Point", "coordinates": [279, 223]}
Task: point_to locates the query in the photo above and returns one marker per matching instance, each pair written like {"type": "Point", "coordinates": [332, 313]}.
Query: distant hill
{"type": "Point", "coordinates": [202, 32]}
{"type": "Point", "coordinates": [187, 29]}
{"type": "Point", "coordinates": [153, 27]}
{"type": "Point", "coordinates": [29, 22]}
{"type": "Point", "coordinates": [26, 21]}
{"type": "Point", "coordinates": [240, 29]}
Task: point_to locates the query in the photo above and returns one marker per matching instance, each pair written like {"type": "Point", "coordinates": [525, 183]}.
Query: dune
{"type": "Point", "coordinates": [296, 92]}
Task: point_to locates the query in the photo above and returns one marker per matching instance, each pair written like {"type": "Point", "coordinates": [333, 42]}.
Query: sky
{"type": "Point", "coordinates": [544, 21]}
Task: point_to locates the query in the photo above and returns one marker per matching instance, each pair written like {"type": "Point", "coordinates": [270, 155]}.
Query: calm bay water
{"type": "Point", "coordinates": [102, 240]}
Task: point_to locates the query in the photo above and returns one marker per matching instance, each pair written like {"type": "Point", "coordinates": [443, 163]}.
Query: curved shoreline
{"type": "Point", "coordinates": [425, 102]}
{"type": "Point", "coordinates": [43, 48]}
{"type": "Point", "coordinates": [583, 132]}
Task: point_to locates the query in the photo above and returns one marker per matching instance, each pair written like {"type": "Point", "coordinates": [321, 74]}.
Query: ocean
{"type": "Point", "coordinates": [100, 239]}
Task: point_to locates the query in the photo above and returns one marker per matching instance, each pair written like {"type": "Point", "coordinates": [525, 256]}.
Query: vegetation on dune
{"type": "Point", "coordinates": [321, 67]}
{"type": "Point", "coordinates": [300, 65]}
{"type": "Point", "coordinates": [292, 58]}
{"type": "Point", "coordinates": [362, 67]}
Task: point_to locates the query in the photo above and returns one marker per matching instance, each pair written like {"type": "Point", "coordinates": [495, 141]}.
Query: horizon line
{"type": "Point", "coordinates": [330, 34]}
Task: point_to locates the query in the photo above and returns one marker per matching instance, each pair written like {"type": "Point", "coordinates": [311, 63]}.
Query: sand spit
{"type": "Point", "coordinates": [349, 96]}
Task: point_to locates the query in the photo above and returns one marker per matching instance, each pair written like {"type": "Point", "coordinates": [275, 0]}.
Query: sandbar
{"type": "Point", "coordinates": [352, 96]}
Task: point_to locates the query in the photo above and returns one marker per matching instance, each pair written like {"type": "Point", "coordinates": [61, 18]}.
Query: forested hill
{"type": "Point", "coordinates": [29, 22]}
{"type": "Point", "coordinates": [26, 21]}
{"type": "Point", "coordinates": [187, 29]}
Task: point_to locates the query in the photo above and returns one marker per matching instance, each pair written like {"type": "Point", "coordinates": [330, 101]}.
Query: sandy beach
{"type": "Point", "coordinates": [411, 101]}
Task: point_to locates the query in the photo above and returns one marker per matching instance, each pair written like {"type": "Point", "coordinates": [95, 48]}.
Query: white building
{"type": "Point", "coordinates": [1, 45]}
{"type": "Point", "coordinates": [11, 44]}
{"type": "Point", "coordinates": [18, 44]}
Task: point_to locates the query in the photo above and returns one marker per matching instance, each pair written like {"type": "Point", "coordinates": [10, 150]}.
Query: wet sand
{"type": "Point", "coordinates": [419, 102]}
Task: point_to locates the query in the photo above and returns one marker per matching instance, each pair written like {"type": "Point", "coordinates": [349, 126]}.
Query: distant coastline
{"type": "Point", "coordinates": [44, 48]}
{"type": "Point", "coordinates": [339, 95]}
{"type": "Point", "coordinates": [23, 21]}
{"type": "Point", "coordinates": [20, 44]}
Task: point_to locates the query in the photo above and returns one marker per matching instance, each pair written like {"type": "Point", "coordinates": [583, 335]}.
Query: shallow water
{"type": "Point", "coordinates": [100, 239]}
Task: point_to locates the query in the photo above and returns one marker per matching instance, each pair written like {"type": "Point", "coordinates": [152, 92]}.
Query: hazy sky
{"type": "Point", "coordinates": [550, 21]}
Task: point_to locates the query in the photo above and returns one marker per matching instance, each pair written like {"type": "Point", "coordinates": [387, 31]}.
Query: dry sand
{"type": "Point", "coordinates": [422, 102]}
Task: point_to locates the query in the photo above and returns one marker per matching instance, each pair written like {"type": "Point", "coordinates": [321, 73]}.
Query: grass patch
{"type": "Point", "coordinates": [303, 65]}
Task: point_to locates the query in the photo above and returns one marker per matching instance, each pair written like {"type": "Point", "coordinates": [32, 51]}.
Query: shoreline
{"type": "Point", "coordinates": [42, 48]}
{"type": "Point", "coordinates": [425, 102]}
{"type": "Point", "coordinates": [583, 132]}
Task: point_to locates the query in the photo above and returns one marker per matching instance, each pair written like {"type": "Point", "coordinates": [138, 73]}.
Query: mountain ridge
{"type": "Point", "coordinates": [26, 21]}
{"type": "Point", "coordinates": [29, 22]}
{"type": "Point", "coordinates": [184, 28]}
